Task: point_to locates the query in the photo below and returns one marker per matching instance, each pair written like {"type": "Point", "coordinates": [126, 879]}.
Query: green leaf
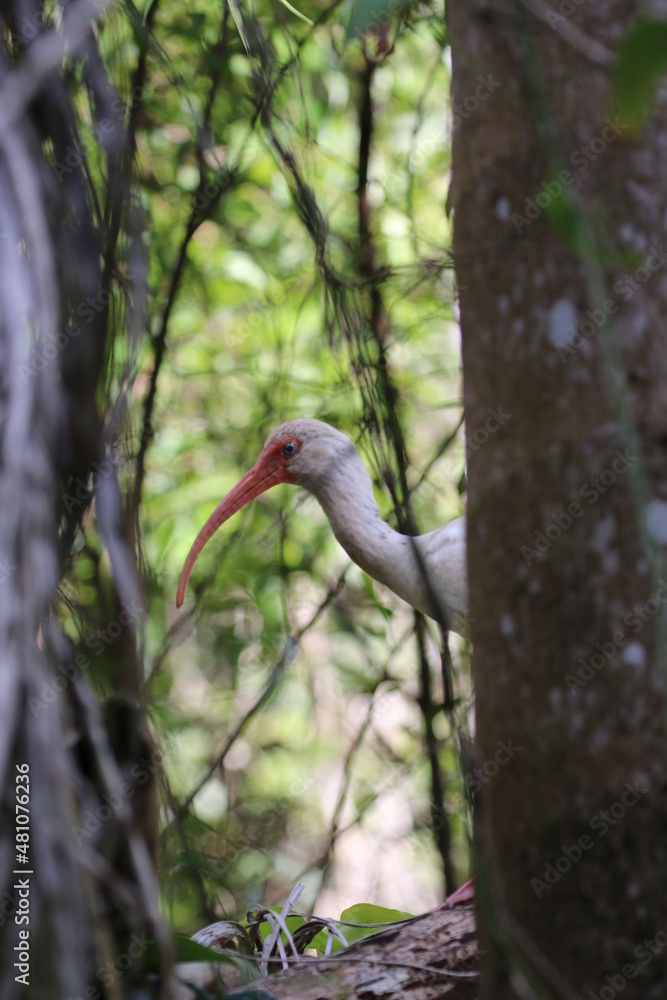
{"type": "Point", "coordinates": [188, 950]}
{"type": "Point", "coordinates": [369, 13]}
{"type": "Point", "coordinates": [366, 918]}
{"type": "Point", "coordinates": [640, 61]}
{"type": "Point", "coordinates": [368, 913]}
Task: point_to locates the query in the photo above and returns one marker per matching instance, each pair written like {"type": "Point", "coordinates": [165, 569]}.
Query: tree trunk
{"type": "Point", "coordinates": [564, 362]}
{"type": "Point", "coordinates": [78, 887]}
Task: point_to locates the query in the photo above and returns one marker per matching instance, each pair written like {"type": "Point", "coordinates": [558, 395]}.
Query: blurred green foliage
{"type": "Point", "coordinates": [639, 64]}
{"type": "Point", "coordinates": [328, 782]}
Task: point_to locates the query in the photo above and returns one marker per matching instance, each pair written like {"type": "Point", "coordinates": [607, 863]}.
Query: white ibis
{"type": "Point", "coordinates": [324, 461]}
{"type": "Point", "coordinates": [314, 455]}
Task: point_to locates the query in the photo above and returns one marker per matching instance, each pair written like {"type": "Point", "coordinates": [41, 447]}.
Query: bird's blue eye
{"type": "Point", "coordinates": [289, 448]}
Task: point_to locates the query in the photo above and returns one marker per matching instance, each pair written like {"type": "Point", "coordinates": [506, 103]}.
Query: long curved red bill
{"type": "Point", "coordinates": [266, 472]}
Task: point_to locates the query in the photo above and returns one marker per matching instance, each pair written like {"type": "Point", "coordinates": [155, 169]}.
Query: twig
{"type": "Point", "coordinates": [273, 682]}
{"type": "Point", "coordinates": [440, 821]}
{"type": "Point", "coordinates": [197, 214]}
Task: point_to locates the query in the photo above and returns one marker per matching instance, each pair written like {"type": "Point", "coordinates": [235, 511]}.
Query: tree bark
{"type": "Point", "coordinates": [562, 338]}
{"type": "Point", "coordinates": [78, 823]}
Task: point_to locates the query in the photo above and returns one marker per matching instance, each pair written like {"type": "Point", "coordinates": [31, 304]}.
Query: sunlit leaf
{"type": "Point", "coordinates": [359, 921]}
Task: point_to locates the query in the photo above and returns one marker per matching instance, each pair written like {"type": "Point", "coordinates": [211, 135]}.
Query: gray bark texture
{"type": "Point", "coordinates": [562, 310]}
{"type": "Point", "coordinates": [78, 887]}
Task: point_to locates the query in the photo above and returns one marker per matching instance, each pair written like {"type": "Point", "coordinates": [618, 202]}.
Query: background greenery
{"type": "Point", "coordinates": [263, 290]}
